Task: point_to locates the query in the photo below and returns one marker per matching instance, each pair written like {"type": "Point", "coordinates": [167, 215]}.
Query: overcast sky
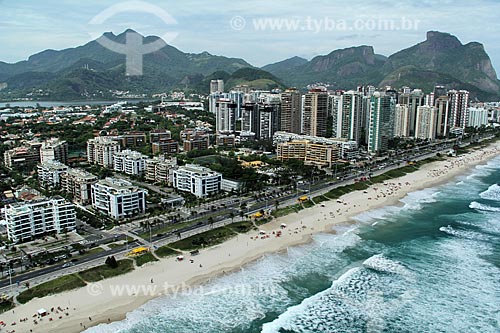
{"type": "Point", "coordinates": [232, 28]}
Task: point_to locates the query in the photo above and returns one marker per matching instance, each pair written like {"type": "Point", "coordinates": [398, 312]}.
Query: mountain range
{"type": "Point", "coordinates": [91, 71]}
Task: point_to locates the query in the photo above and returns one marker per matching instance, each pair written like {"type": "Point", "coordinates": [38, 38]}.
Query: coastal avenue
{"type": "Point", "coordinates": [222, 219]}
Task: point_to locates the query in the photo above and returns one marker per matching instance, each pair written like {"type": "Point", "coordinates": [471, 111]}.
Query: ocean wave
{"type": "Point", "coordinates": [382, 264]}
{"type": "Point", "coordinates": [492, 193]}
{"type": "Point", "coordinates": [467, 234]}
{"type": "Point", "coordinates": [482, 207]}
{"type": "Point", "coordinates": [358, 300]}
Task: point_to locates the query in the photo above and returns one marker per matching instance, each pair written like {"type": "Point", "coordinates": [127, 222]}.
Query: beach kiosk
{"type": "Point", "coordinates": [42, 312]}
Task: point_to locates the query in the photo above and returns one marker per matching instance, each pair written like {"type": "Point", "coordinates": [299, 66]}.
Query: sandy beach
{"type": "Point", "coordinates": [112, 299]}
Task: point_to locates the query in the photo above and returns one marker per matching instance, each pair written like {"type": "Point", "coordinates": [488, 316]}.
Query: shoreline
{"type": "Point", "coordinates": [98, 303]}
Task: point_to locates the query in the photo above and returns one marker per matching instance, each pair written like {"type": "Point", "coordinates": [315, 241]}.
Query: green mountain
{"type": "Point", "coordinates": [445, 54]}
{"type": "Point", "coordinates": [341, 68]}
{"type": "Point", "coordinates": [440, 59]}
{"type": "Point", "coordinates": [93, 71]}
{"type": "Point", "coordinates": [252, 77]}
{"type": "Point", "coordinates": [285, 65]}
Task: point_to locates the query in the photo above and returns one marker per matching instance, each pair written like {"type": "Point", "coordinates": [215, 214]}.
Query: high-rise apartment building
{"type": "Point", "coordinates": [427, 117]}
{"type": "Point", "coordinates": [315, 113]}
{"type": "Point", "coordinates": [401, 121]}
{"type": "Point", "coordinates": [129, 162]}
{"type": "Point", "coordinates": [381, 125]}
{"type": "Point", "coordinates": [458, 108]}
{"type": "Point", "coordinates": [291, 111]}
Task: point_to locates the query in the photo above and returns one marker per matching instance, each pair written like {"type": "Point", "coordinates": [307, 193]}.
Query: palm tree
{"type": "Point", "coordinates": [211, 221]}
{"type": "Point", "coordinates": [231, 215]}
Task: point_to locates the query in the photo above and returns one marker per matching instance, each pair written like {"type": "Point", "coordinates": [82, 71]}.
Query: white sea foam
{"type": "Point", "coordinates": [467, 234]}
{"type": "Point", "coordinates": [492, 193]}
{"type": "Point", "coordinates": [382, 264]}
{"type": "Point", "coordinates": [482, 207]}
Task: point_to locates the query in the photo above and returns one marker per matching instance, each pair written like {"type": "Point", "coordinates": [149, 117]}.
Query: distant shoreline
{"type": "Point", "coordinates": [238, 251]}
{"type": "Point", "coordinates": [51, 103]}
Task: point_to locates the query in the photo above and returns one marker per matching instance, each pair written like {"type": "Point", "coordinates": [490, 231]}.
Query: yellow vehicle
{"type": "Point", "coordinates": [303, 198]}
{"type": "Point", "coordinates": [138, 251]}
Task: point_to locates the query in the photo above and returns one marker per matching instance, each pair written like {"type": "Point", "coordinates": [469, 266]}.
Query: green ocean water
{"type": "Point", "coordinates": [431, 264]}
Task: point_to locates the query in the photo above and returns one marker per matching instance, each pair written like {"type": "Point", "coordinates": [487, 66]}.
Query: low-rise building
{"type": "Point", "coordinates": [133, 139]}
{"type": "Point", "coordinates": [197, 180]}
{"type": "Point", "coordinates": [118, 198]}
{"type": "Point", "coordinates": [226, 140]}
{"type": "Point", "coordinates": [477, 117]}
{"type": "Point", "coordinates": [158, 135]}
{"type": "Point", "coordinates": [312, 149]}
{"type": "Point", "coordinates": [28, 220]}
{"type": "Point", "coordinates": [169, 147]}
{"type": "Point", "coordinates": [19, 157]}
{"type": "Point", "coordinates": [230, 185]}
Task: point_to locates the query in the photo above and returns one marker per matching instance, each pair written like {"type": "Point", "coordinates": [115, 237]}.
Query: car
{"type": "Point", "coordinates": [68, 264]}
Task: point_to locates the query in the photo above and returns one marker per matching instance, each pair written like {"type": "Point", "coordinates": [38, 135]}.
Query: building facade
{"type": "Point", "coordinates": [158, 169]}
{"type": "Point", "coordinates": [129, 162]}
{"type": "Point", "coordinates": [32, 219]}
{"type": "Point", "coordinates": [427, 117]}
{"type": "Point", "coordinates": [100, 151]}
{"type": "Point", "coordinates": [291, 101]}
{"type": "Point", "coordinates": [381, 122]}
{"type": "Point", "coordinates": [78, 184]}
{"type": "Point", "coordinates": [315, 113]}
{"type": "Point", "coordinates": [197, 180]}
{"type": "Point", "coordinates": [54, 150]}
{"type": "Point", "coordinates": [118, 198]}
{"type": "Point", "coordinates": [458, 108]}
{"type": "Point", "coordinates": [50, 172]}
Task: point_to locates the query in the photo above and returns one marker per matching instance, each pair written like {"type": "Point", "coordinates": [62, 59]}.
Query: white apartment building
{"type": "Point", "coordinates": [54, 150]}
{"type": "Point", "coordinates": [49, 173]}
{"type": "Point", "coordinates": [197, 180]}
{"type": "Point", "coordinates": [427, 117]}
{"type": "Point", "coordinates": [129, 162]}
{"type": "Point", "coordinates": [100, 151]}
{"type": "Point", "coordinates": [28, 220]}
{"type": "Point", "coordinates": [118, 198]}
{"type": "Point", "coordinates": [477, 117]}
{"type": "Point", "coordinates": [402, 121]}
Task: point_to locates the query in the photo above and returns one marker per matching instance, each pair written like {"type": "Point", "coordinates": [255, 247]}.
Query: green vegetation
{"type": "Point", "coordinates": [287, 210]}
{"type": "Point", "coordinates": [144, 259]}
{"type": "Point", "coordinates": [166, 251]}
{"type": "Point", "coordinates": [6, 305]}
{"type": "Point", "coordinates": [319, 198]}
{"type": "Point", "coordinates": [63, 283]}
{"type": "Point", "coordinates": [308, 204]}
{"type": "Point", "coordinates": [241, 227]}
{"type": "Point", "coordinates": [206, 239]}
{"type": "Point", "coordinates": [104, 271]}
